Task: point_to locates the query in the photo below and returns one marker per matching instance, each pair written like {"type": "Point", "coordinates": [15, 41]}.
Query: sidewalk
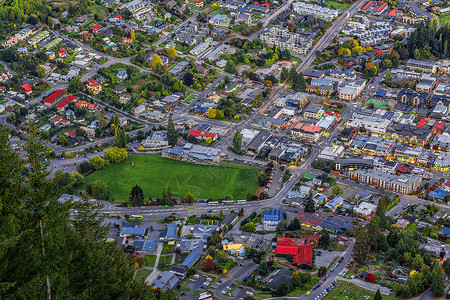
{"type": "Point", "coordinates": [155, 272]}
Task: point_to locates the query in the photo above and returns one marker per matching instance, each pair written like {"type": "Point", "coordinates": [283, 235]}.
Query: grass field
{"type": "Point", "coordinates": [142, 274]}
{"type": "Point", "coordinates": [154, 173]}
{"type": "Point", "coordinates": [337, 5]}
{"type": "Point", "coordinates": [150, 260]}
{"type": "Point", "coordinates": [101, 11]}
{"type": "Point", "coordinates": [345, 290]}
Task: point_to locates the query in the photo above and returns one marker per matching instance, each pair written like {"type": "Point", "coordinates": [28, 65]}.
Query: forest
{"type": "Point", "coordinates": [428, 42]}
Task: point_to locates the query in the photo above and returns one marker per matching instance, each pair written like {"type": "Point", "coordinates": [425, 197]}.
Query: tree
{"type": "Point", "coordinates": [172, 133]}
{"type": "Point", "coordinates": [156, 60]}
{"type": "Point", "coordinates": [132, 35]}
{"type": "Point", "coordinates": [336, 190]}
{"type": "Point", "coordinates": [208, 264]}
{"type": "Point", "coordinates": [371, 277]}
{"type": "Point", "coordinates": [211, 251]}
{"type": "Point", "coordinates": [116, 155]}
{"type": "Point", "coordinates": [120, 138]}
{"type": "Point", "coordinates": [188, 79]}
{"type": "Point", "coordinates": [190, 198]}
{"type": "Point", "coordinates": [282, 290]}
{"type": "Point", "coordinates": [310, 206]}
{"type": "Point", "coordinates": [380, 213]}
{"type": "Point", "coordinates": [84, 167]}
{"type": "Point", "coordinates": [324, 240]}
{"type": "Point", "coordinates": [72, 118]}
{"type": "Point", "coordinates": [282, 226]}
{"type": "Point", "coordinates": [98, 190]}
{"type": "Point", "coordinates": [362, 246]}
{"type": "Point", "coordinates": [437, 281]}
{"type": "Point", "coordinates": [249, 227]}
{"type": "Point", "coordinates": [62, 140]}
{"type": "Point", "coordinates": [377, 295]}
{"type": "Point", "coordinates": [237, 142]}
{"type": "Point", "coordinates": [136, 196]}
{"type": "Point", "coordinates": [295, 224]}
{"type": "Point", "coordinates": [98, 163]}
{"type": "Point", "coordinates": [322, 271]}
{"type": "Point", "coordinates": [446, 266]}
{"type": "Point", "coordinates": [74, 85]}
{"type": "Point", "coordinates": [40, 71]}
{"type": "Point", "coordinates": [172, 52]}
{"type": "Point", "coordinates": [262, 178]}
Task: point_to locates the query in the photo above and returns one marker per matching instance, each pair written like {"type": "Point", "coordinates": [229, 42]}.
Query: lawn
{"type": "Point", "coordinates": [444, 20]}
{"type": "Point", "coordinates": [150, 260]}
{"type": "Point", "coordinates": [346, 290]}
{"type": "Point", "coordinates": [307, 287]}
{"type": "Point", "coordinates": [337, 5]}
{"type": "Point", "coordinates": [261, 296]}
{"type": "Point", "coordinates": [154, 173]}
{"type": "Point", "coordinates": [142, 274]}
{"type": "Point", "coordinates": [100, 10]}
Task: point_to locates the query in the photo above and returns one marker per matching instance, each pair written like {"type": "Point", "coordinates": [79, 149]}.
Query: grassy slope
{"type": "Point", "coordinates": [154, 173]}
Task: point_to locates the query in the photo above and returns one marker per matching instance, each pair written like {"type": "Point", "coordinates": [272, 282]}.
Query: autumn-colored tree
{"type": "Point", "coordinates": [209, 264]}
{"type": "Point", "coordinates": [172, 52]}
{"type": "Point", "coordinates": [156, 60]}
{"type": "Point", "coordinates": [132, 35]}
{"type": "Point", "coordinates": [209, 140]}
{"type": "Point", "coordinates": [212, 113]}
{"type": "Point", "coordinates": [371, 277]}
{"type": "Point", "coordinates": [344, 52]}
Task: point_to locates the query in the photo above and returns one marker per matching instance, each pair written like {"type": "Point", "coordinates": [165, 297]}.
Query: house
{"type": "Point", "coordinates": [191, 259]}
{"type": "Point", "coordinates": [54, 97]}
{"type": "Point", "coordinates": [300, 249]}
{"type": "Point", "coordinates": [124, 98]}
{"type": "Point", "coordinates": [119, 89]}
{"type": "Point", "coordinates": [234, 249]}
{"type": "Point", "coordinates": [281, 275]}
{"type": "Point", "coordinates": [365, 210]}
{"type": "Point", "coordinates": [271, 218]}
{"type": "Point", "coordinates": [202, 135]}
{"type": "Point", "coordinates": [166, 280]}
{"type": "Point", "coordinates": [94, 87]}
{"type": "Point", "coordinates": [199, 3]}
{"type": "Point", "coordinates": [335, 225]}
{"type": "Point", "coordinates": [334, 203]}
{"type": "Point", "coordinates": [71, 133]}
{"type": "Point", "coordinates": [122, 75]}
{"type": "Point", "coordinates": [144, 245]}
{"type": "Point", "coordinates": [26, 88]}
{"type": "Point", "coordinates": [170, 232]}
{"type": "Point", "coordinates": [255, 146]}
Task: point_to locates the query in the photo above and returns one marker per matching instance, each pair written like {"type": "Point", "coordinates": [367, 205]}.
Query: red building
{"type": "Point", "coordinates": [63, 104]}
{"type": "Point", "coordinates": [203, 135]}
{"type": "Point", "coordinates": [301, 249]}
{"type": "Point", "coordinates": [55, 97]}
{"type": "Point", "coordinates": [26, 88]}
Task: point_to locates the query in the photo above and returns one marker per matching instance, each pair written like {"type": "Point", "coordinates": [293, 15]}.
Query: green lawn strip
{"type": "Point", "coordinates": [150, 260]}
{"type": "Point", "coordinates": [337, 5]}
{"type": "Point", "coordinates": [261, 296]}
{"type": "Point", "coordinates": [300, 291]}
{"type": "Point", "coordinates": [154, 174]}
{"type": "Point", "coordinates": [142, 274]}
{"type": "Point", "coordinates": [346, 290]}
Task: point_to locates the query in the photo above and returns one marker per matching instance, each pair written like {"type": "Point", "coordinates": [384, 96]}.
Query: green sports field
{"type": "Point", "coordinates": [154, 173]}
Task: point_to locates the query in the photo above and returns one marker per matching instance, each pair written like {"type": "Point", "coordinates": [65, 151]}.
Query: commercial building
{"type": "Point", "coordinates": [271, 218]}
{"type": "Point", "coordinates": [401, 184]}
{"type": "Point", "coordinates": [424, 66]}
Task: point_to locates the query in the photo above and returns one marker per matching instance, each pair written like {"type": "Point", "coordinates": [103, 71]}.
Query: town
{"type": "Point", "coordinates": [231, 149]}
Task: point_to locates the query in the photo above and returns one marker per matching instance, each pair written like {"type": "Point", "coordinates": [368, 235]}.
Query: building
{"type": "Point", "coordinates": [301, 249]}
{"type": "Point", "coordinates": [54, 97]}
{"type": "Point", "coordinates": [271, 218]}
{"type": "Point", "coordinates": [351, 90]}
{"type": "Point", "coordinates": [166, 280]}
{"type": "Point", "coordinates": [334, 203]}
{"type": "Point", "coordinates": [229, 220]}
{"type": "Point", "coordinates": [158, 139]}
{"type": "Point", "coordinates": [93, 87]}
{"type": "Point", "coordinates": [409, 134]}
{"type": "Point", "coordinates": [255, 146]}
{"type": "Point", "coordinates": [202, 135]}
{"type": "Point", "coordinates": [399, 183]}
{"type": "Point", "coordinates": [424, 66]}
{"type": "Point", "coordinates": [365, 210]}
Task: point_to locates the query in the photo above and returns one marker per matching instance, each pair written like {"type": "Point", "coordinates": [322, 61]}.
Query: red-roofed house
{"type": "Point", "coordinates": [2, 88]}
{"type": "Point", "coordinates": [202, 134]}
{"type": "Point", "coordinates": [309, 219]}
{"type": "Point", "coordinates": [62, 52]}
{"type": "Point", "coordinates": [64, 122]}
{"type": "Point", "coordinates": [94, 87]}
{"type": "Point", "coordinates": [55, 97]}
{"type": "Point", "coordinates": [71, 133]}
{"type": "Point", "coordinates": [118, 16]}
{"type": "Point", "coordinates": [265, 4]}
{"type": "Point", "coordinates": [127, 40]}
{"type": "Point", "coordinates": [56, 119]}
{"type": "Point", "coordinates": [303, 259]}
{"type": "Point", "coordinates": [95, 28]}
{"type": "Point", "coordinates": [63, 104]}
{"type": "Point", "coordinates": [26, 88]}
{"type": "Point", "coordinates": [199, 3]}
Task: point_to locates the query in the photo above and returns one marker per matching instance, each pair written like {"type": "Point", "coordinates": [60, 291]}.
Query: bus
{"type": "Point", "coordinates": [241, 201]}
{"type": "Point", "coordinates": [137, 217]}
{"type": "Point", "coordinates": [213, 203]}
{"type": "Point", "coordinates": [204, 296]}
{"type": "Point", "coordinates": [228, 202]}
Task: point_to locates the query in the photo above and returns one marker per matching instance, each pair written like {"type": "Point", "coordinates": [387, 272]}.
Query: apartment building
{"type": "Point", "coordinates": [401, 184]}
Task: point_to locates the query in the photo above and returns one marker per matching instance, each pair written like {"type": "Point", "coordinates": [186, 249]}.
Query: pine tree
{"type": "Point", "coordinates": [381, 214]}
{"type": "Point", "coordinates": [377, 295]}
{"type": "Point", "coordinates": [237, 142]}
{"type": "Point", "coordinates": [137, 196]}
{"type": "Point", "coordinates": [172, 133]}
{"type": "Point", "coordinates": [310, 206]}
{"type": "Point", "coordinates": [437, 284]}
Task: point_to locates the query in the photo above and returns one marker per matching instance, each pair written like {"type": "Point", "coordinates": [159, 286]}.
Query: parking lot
{"type": "Point", "coordinates": [325, 257]}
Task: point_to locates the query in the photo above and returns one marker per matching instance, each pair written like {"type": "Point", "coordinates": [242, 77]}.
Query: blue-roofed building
{"type": "Point", "coordinates": [173, 153]}
{"type": "Point", "coordinates": [446, 232]}
{"type": "Point", "coordinates": [122, 75]}
{"type": "Point", "coordinates": [438, 194]}
{"type": "Point", "coordinates": [321, 81]}
{"type": "Point", "coordinates": [137, 231]}
{"type": "Point", "coordinates": [190, 260]}
{"type": "Point", "coordinates": [166, 280]}
{"type": "Point", "coordinates": [145, 245]}
{"type": "Point", "coordinates": [170, 232]}
{"type": "Point", "coordinates": [271, 218]}
{"type": "Point", "coordinates": [336, 225]}
{"type": "Point", "coordinates": [334, 203]}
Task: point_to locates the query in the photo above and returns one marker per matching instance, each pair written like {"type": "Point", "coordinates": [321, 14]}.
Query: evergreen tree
{"type": "Point", "coordinates": [362, 246]}
{"type": "Point", "coordinates": [120, 138]}
{"type": "Point", "coordinates": [172, 133]}
{"type": "Point", "coordinates": [310, 206]}
{"type": "Point", "coordinates": [377, 295]}
{"type": "Point", "coordinates": [136, 196]}
{"type": "Point", "coordinates": [237, 142]}
{"type": "Point", "coordinates": [437, 281]}
{"type": "Point", "coordinates": [381, 214]}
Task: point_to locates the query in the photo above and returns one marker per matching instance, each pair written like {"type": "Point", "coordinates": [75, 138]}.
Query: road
{"type": "Point", "coordinates": [330, 34]}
